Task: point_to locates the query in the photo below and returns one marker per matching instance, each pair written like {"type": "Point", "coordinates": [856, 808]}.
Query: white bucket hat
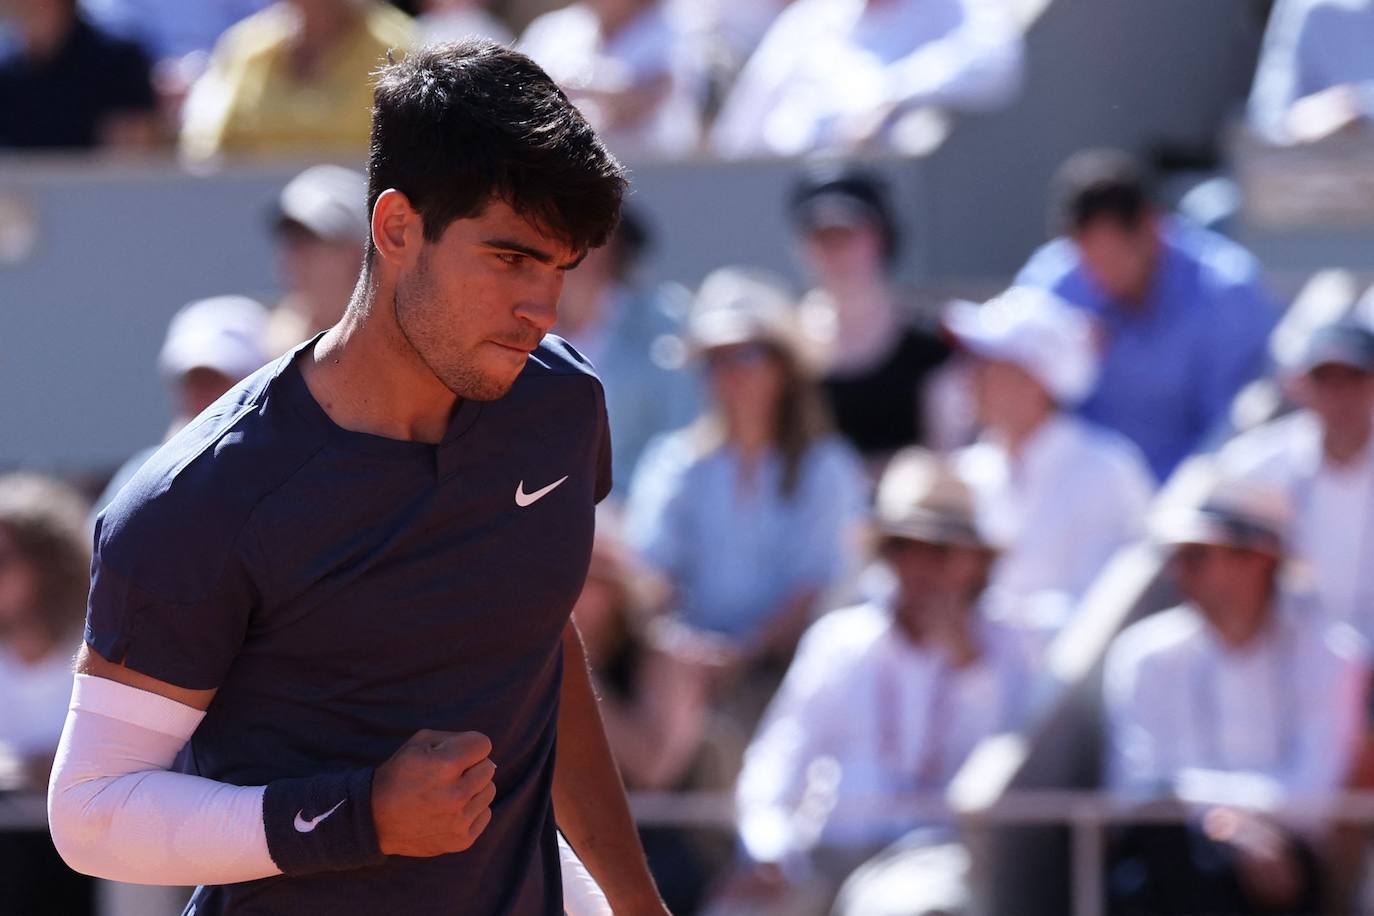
{"type": "Point", "coordinates": [1036, 330]}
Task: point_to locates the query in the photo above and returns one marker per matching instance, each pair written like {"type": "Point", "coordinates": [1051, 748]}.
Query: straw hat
{"type": "Point", "coordinates": [1202, 505]}
{"type": "Point", "coordinates": [920, 498]}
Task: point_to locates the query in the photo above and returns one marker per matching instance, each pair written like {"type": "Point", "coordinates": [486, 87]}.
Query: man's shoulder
{"type": "Point", "coordinates": [1108, 451]}
{"type": "Point", "coordinates": [1221, 263]}
{"type": "Point", "coordinates": [191, 499]}
{"type": "Point", "coordinates": [390, 26]}
{"type": "Point", "coordinates": [262, 33]}
{"type": "Point", "coordinates": [556, 358]}
{"type": "Point", "coordinates": [1160, 635]}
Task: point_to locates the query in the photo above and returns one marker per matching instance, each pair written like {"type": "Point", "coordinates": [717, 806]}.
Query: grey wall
{"type": "Point", "coordinates": [121, 246]}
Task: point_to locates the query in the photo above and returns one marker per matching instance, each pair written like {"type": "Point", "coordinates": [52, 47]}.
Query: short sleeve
{"type": "Point", "coordinates": [605, 479]}
{"type": "Point", "coordinates": [173, 608]}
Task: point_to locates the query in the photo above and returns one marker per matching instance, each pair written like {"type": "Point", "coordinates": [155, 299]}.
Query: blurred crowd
{"type": "Point", "coordinates": [849, 523]}
{"type": "Point", "coordinates": [661, 79]}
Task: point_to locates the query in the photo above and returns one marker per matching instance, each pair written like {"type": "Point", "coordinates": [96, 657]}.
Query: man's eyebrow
{"type": "Point", "coordinates": [543, 257]}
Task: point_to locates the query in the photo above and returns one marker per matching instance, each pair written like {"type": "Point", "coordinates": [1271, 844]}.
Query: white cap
{"type": "Point", "coordinates": [224, 333]}
{"type": "Point", "coordinates": [329, 200]}
{"type": "Point", "coordinates": [1035, 330]}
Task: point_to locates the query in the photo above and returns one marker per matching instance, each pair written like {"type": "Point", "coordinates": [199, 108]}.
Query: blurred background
{"type": "Point", "coordinates": [992, 395]}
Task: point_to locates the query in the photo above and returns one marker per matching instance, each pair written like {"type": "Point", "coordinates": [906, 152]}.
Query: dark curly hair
{"type": "Point", "coordinates": [457, 125]}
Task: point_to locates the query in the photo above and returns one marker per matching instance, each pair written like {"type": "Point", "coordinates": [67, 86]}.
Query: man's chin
{"type": "Point", "coordinates": [490, 388]}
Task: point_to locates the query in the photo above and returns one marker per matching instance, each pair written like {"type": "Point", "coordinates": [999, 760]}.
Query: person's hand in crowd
{"type": "Point", "coordinates": [1266, 862]}
{"type": "Point", "coordinates": [1322, 114]}
{"type": "Point", "coordinates": [709, 656]}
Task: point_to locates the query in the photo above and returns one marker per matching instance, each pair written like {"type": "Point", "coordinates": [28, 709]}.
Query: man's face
{"type": "Point", "coordinates": [198, 388]}
{"type": "Point", "coordinates": [1223, 581]}
{"type": "Point", "coordinates": [1342, 396]}
{"type": "Point", "coordinates": [1007, 396]}
{"type": "Point", "coordinates": [837, 253]}
{"type": "Point", "coordinates": [1120, 258]}
{"type": "Point", "coordinates": [935, 578]}
{"type": "Point", "coordinates": [481, 298]}
{"type": "Point", "coordinates": [321, 271]}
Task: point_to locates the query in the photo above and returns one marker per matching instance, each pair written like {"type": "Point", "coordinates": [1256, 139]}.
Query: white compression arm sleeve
{"type": "Point", "coordinates": [581, 894]}
{"type": "Point", "coordinates": [116, 812]}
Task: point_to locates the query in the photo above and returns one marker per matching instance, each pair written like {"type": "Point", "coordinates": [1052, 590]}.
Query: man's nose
{"type": "Point", "coordinates": [540, 311]}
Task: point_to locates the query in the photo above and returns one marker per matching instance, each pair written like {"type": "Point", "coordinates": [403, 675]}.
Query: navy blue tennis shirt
{"type": "Point", "coordinates": [343, 591]}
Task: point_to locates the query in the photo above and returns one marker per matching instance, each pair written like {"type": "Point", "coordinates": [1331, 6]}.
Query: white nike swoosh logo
{"type": "Point", "coordinates": [305, 826]}
{"type": "Point", "coordinates": [523, 499]}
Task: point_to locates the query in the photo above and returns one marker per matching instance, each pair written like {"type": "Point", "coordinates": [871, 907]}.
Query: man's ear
{"type": "Point", "coordinates": [397, 228]}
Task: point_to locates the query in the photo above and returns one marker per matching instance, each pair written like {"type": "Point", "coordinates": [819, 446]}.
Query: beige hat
{"type": "Point", "coordinates": [920, 498]}
{"type": "Point", "coordinates": [738, 305]}
{"type": "Point", "coordinates": [1202, 505]}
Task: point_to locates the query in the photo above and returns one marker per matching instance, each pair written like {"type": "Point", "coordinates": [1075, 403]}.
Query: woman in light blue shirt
{"type": "Point", "coordinates": [753, 511]}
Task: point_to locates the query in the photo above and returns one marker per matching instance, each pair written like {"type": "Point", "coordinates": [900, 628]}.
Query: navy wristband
{"type": "Point", "coordinates": [321, 823]}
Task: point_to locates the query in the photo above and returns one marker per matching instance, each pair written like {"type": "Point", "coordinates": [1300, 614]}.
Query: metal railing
{"type": "Point", "coordinates": [1086, 814]}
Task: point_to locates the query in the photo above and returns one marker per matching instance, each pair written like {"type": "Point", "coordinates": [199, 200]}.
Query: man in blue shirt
{"type": "Point", "coordinates": [348, 582]}
{"type": "Point", "coordinates": [1182, 318]}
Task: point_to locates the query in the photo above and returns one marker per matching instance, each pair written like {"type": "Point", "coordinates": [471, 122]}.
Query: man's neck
{"type": "Point", "coordinates": [317, 34]}
{"type": "Point", "coordinates": [1239, 631]}
{"type": "Point", "coordinates": [368, 378]}
{"type": "Point", "coordinates": [863, 320]}
{"type": "Point", "coordinates": [1345, 444]}
{"type": "Point", "coordinates": [1015, 436]}
{"type": "Point", "coordinates": [43, 28]}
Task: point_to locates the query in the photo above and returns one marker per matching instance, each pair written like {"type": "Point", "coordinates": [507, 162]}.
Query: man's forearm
{"type": "Point", "coordinates": [589, 798]}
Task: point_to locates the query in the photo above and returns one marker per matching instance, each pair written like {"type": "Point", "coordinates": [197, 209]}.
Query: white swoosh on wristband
{"type": "Point", "coordinates": [305, 826]}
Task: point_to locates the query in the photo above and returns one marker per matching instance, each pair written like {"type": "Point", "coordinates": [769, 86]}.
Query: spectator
{"type": "Point", "coordinates": [321, 229]}
{"type": "Point", "coordinates": [1235, 701]}
{"type": "Point", "coordinates": [749, 511]}
{"type": "Point", "coordinates": [1322, 457]}
{"type": "Point", "coordinates": [1034, 362]}
{"type": "Point", "coordinates": [884, 701]}
{"type": "Point", "coordinates": [837, 74]}
{"type": "Point", "coordinates": [294, 80]}
{"type": "Point", "coordinates": [44, 564]}
{"type": "Point", "coordinates": [628, 69]}
{"type": "Point", "coordinates": [453, 20]}
{"type": "Point", "coordinates": [211, 345]}
{"type": "Point", "coordinates": [169, 29]}
{"type": "Point", "coordinates": [877, 356]}
{"type": "Point", "coordinates": [68, 85]}
{"type": "Point", "coordinates": [1315, 75]}
{"type": "Point", "coordinates": [1181, 314]}
{"type": "Point", "coordinates": [633, 334]}
{"type": "Point", "coordinates": [653, 680]}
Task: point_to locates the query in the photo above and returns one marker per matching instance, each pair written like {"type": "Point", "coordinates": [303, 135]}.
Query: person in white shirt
{"type": "Point", "coordinates": [630, 71]}
{"type": "Point", "coordinates": [837, 74]}
{"type": "Point", "coordinates": [882, 702]}
{"type": "Point", "coordinates": [1239, 700]}
{"type": "Point", "coordinates": [1323, 457]}
{"type": "Point", "coordinates": [1061, 493]}
{"type": "Point", "coordinates": [1315, 74]}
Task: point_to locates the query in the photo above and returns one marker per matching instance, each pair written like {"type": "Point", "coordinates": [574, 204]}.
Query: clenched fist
{"type": "Point", "coordinates": [434, 795]}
